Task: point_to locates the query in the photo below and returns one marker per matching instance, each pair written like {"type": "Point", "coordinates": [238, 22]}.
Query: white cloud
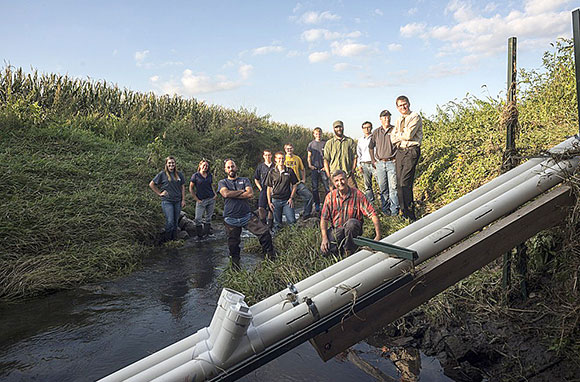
{"type": "Point", "coordinates": [536, 7]}
{"type": "Point", "coordinates": [140, 57]}
{"type": "Point", "coordinates": [443, 70]}
{"type": "Point", "coordinates": [348, 48]}
{"type": "Point", "coordinates": [490, 7]}
{"type": "Point", "coordinates": [461, 10]}
{"type": "Point", "coordinates": [297, 8]}
{"type": "Point", "coordinates": [172, 63]}
{"type": "Point", "coordinates": [314, 17]}
{"type": "Point", "coordinates": [200, 83]}
{"type": "Point", "coordinates": [412, 29]}
{"type": "Point", "coordinates": [378, 12]}
{"type": "Point", "coordinates": [245, 71]}
{"type": "Point", "coordinates": [312, 35]}
{"type": "Point", "coordinates": [267, 49]}
{"type": "Point", "coordinates": [402, 77]}
{"type": "Point", "coordinates": [395, 47]}
{"type": "Point", "coordinates": [318, 57]}
{"type": "Point", "coordinates": [192, 84]}
{"type": "Point", "coordinates": [412, 11]}
{"type": "Point", "coordinates": [168, 87]}
{"type": "Point", "coordinates": [472, 35]}
{"type": "Point", "coordinates": [343, 66]}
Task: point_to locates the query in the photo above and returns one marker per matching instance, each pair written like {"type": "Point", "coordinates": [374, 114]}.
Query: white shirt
{"type": "Point", "coordinates": [362, 149]}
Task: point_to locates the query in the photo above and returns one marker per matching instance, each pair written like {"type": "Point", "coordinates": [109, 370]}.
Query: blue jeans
{"type": "Point", "coordinates": [282, 207]}
{"type": "Point", "coordinates": [387, 179]}
{"type": "Point", "coordinates": [368, 172]}
{"type": "Point", "coordinates": [204, 211]}
{"type": "Point", "coordinates": [318, 177]}
{"type": "Point", "coordinates": [171, 210]}
{"type": "Point", "coordinates": [304, 193]}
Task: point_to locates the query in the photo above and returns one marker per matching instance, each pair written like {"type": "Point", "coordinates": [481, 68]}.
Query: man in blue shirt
{"type": "Point", "coordinates": [237, 191]}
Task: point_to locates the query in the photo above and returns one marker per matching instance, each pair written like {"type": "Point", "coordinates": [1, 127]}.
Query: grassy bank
{"type": "Point", "coordinates": [462, 149]}
{"type": "Point", "coordinates": [78, 156]}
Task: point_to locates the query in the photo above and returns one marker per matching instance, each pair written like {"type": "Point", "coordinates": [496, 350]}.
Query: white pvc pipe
{"type": "Point", "coordinates": [210, 363]}
{"type": "Point", "coordinates": [144, 364]}
{"type": "Point", "coordinates": [420, 224]}
{"type": "Point", "coordinates": [468, 205]}
{"type": "Point", "coordinates": [327, 279]}
{"type": "Point", "coordinates": [468, 198]}
{"type": "Point", "coordinates": [451, 212]}
{"type": "Point", "coordinates": [333, 298]}
{"type": "Point", "coordinates": [475, 194]}
{"type": "Point", "coordinates": [273, 320]}
{"type": "Point", "coordinates": [174, 354]}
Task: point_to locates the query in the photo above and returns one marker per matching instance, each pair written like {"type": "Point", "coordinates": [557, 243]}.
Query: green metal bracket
{"type": "Point", "coordinates": [390, 249]}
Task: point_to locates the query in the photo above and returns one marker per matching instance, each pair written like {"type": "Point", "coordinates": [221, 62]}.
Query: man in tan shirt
{"type": "Point", "coordinates": [407, 136]}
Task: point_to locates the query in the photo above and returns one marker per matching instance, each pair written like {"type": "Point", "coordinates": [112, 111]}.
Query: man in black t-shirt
{"type": "Point", "coordinates": [260, 175]}
{"type": "Point", "coordinates": [237, 213]}
{"type": "Point", "coordinates": [282, 183]}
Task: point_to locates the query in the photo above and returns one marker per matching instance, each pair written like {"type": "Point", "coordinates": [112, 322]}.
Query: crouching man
{"type": "Point", "coordinates": [344, 208]}
{"type": "Point", "coordinates": [237, 191]}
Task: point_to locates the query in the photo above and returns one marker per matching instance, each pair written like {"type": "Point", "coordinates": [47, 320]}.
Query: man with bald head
{"type": "Point", "coordinates": [237, 191]}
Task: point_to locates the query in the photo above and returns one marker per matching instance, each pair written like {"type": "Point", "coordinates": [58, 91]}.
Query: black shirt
{"type": "Point", "coordinates": [262, 172]}
{"type": "Point", "coordinates": [281, 182]}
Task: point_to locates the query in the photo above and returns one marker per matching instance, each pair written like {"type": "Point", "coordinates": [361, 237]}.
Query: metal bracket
{"type": "Point", "coordinates": [293, 296]}
{"type": "Point", "coordinates": [390, 249]}
{"type": "Point", "coordinates": [312, 307]}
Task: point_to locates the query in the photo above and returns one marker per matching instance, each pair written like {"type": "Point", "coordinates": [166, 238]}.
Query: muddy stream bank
{"type": "Point", "coordinates": [87, 333]}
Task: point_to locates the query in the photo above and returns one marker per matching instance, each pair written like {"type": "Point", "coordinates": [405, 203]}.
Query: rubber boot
{"type": "Point", "coordinates": [206, 229]}
{"type": "Point", "coordinates": [199, 230]}
{"type": "Point", "coordinates": [236, 263]}
{"type": "Point", "coordinates": [271, 256]}
{"type": "Point", "coordinates": [163, 237]}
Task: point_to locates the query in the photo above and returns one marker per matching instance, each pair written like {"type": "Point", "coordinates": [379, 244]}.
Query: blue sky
{"type": "Point", "coordinates": [306, 62]}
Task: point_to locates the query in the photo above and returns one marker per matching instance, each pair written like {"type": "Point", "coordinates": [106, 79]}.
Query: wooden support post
{"type": "Point", "coordinates": [522, 267]}
{"type": "Point", "coordinates": [506, 278]}
{"type": "Point", "coordinates": [446, 269]}
{"type": "Point", "coordinates": [576, 35]}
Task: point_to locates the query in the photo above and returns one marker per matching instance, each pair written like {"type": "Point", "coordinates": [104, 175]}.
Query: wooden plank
{"type": "Point", "coordinates": [446, 269]}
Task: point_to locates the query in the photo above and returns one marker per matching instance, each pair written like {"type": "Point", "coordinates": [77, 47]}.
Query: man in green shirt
{"type": "Point", "coordinates": [340, 154]}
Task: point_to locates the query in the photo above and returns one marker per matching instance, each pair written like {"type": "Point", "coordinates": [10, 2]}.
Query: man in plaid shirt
{"type": "Point", "coordinates": [344, 208]}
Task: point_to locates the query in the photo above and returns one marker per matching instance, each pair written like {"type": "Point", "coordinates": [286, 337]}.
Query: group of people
{"type": "Point", "coordinates": [389, 154]}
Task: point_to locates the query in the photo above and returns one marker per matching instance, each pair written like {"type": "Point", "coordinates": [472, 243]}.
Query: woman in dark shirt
{"type": "Point", "coordinates": [169, 184]}
{"type": "Point", "coordinates": [200, 187]}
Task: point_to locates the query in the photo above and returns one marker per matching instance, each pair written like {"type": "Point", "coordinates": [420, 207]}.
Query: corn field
{"type": "Point", "coordinates": [62, 95]}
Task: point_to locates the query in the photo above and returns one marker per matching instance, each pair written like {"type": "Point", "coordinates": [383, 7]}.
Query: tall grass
{"type": "Point", "coordinates": [77, 157]}
{"type": "Point", "coordinates": [462, 149]}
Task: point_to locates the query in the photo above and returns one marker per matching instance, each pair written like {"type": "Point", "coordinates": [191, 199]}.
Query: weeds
{"type": "Point", "coordinates": [78, 156]}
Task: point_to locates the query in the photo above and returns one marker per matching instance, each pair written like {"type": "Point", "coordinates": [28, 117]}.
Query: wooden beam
{"type": "Point", "coordinates": [446, 269]}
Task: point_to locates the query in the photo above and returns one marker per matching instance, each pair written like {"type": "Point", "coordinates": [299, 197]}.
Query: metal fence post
{"type": "Point", "coordinates": [510, 144]}
{"type": "Point", "coordinates": [576, 36]}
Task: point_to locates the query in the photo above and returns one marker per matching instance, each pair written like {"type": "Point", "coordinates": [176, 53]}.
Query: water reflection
{"type": "Point", "coordinates": [408, 361]}
{"type": "Point", "coordinates": [62, 337]}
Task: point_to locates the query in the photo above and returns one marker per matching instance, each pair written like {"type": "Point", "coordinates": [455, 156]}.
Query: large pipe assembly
{"type": "Point", "coordinates": [237, 332]}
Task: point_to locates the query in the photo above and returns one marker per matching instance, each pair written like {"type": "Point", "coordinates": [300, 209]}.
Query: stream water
{"type": "Point", "coordinates": [87, 333]}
